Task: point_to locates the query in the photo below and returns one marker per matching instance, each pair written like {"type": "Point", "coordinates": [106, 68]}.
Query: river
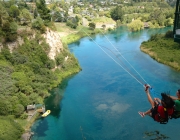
{"type": "Point", "coordinates": [102, 101]}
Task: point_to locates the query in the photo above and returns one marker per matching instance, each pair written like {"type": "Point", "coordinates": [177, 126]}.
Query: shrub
{"type": "Point", "coordinates": [136, 25]}
{"type": "Point", "coordinates": [38, 24]}
{"type": "Point", "coordinates": [92, 25]}
{"type": "Point", "coordinates": [24, 116]}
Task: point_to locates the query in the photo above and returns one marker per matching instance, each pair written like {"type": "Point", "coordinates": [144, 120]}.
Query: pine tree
{"type": "Point", "coordinates": [43, 11]}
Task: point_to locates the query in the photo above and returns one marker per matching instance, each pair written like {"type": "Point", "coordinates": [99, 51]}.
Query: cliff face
{"type": "Point", "coordinates": [52, 38]}
{"type": "Point", "coordinates": [54, 41]}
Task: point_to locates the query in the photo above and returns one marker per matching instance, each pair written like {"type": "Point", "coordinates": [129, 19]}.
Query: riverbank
{"type": "Point", "coordinates": [163, 49]}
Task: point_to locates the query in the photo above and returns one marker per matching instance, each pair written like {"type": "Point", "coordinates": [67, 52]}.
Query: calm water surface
{"type": "Point", "coordinates": [101, 102]}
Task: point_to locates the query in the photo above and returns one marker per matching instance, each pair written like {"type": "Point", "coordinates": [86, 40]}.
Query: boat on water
{"type": "Point", "coordinates": [46, 113]}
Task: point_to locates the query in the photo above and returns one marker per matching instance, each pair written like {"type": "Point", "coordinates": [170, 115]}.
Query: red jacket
{"type": "Point", "coordinates": [160, 115]}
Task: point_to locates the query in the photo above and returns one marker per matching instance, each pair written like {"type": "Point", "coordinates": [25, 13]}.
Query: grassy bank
{"type": "Point", "coordinates": [69, 35]}
{"type": "Point", "coordinates": [81, 32]}
{"type": "Point", "coordinates": [163, 49]}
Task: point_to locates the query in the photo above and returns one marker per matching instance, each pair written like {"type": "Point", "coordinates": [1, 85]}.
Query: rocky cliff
{"type": "Point", "coordinates": [52, 38]}
{"type": "Point", "coordinates": [54, 41]}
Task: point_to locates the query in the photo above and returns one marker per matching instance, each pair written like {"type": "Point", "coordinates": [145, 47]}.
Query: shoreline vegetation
{"type": "Point", "coordinates": [163, 49]}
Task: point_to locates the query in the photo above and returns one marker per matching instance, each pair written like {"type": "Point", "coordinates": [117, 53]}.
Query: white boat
{"type": "Point", "coordinates": [46, 113]}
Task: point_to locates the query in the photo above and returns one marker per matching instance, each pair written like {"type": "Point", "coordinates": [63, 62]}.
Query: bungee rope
{"type": "Point", "coordinates": [114, 59]}
{"type": "Point", "coordinates": [123, 57]}
{"type": "Point", "coordinates": [120, 61]}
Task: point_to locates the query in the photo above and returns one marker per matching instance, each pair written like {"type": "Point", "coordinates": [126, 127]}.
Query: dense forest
{"type": "Point", "coordinates": [27, 73]}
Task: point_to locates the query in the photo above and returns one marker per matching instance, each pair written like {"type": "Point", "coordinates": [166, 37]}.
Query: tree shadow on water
{"type": "Point", "coordinates": [53, 101]}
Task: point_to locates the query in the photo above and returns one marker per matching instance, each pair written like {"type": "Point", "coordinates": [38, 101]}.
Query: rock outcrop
{"type": "Point", "coordinates": [54, 41]}
{"type": "Point", "coordinates": [52, 38]}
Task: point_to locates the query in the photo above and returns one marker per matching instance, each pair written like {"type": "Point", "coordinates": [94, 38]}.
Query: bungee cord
{"type": "Point", "coordinates": [123, 57]}
{"type": "Point", "coordinates": [119, 60]}
{"type": "Point", "coordinates": [114, 59]}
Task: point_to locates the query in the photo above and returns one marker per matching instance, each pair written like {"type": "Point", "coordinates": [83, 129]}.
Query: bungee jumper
{"type": "Point", "coordinates": [162, 109]}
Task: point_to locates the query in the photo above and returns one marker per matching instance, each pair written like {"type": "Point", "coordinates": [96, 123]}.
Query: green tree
{"type": "Point", "coordinates": [43, 11]}
{"type": "Point", "coordinates": [35, 13]}
{"type": "Point", "coordinates": [117, 13]}
{"type": "Point", "coordinates": [17, 58]}
{"type": "Point", "coordinates": [161, 19]}
{"type": "Point", "coordinates": [76, 10]}
{"type": "Point", "coordinates": [14, 11]}
{"type": "Point", "coordinates": [23, 99]}
{"type": "Point", "coordinates": [136, 25]}
{"type": "Point", "coordinates": [59, 59]}
{"type": "Point", "coordinates": [10, 30]}
{"type": "Point", "coordinates": [103, 26]}
{"type": "Point", "coordinates": [14, 100]}
{"type": "Point", "coordinates": [169, 22]}
{"type": "Point", "coordinates": [157, 16]}
{"type": "Point", "coordinates": [18, 110]}
{"type": "Point", "coordinates": [6, 54]}
{"type": "Point", "coordinates": [5, 106]}
{"type": "Point", "coordinates": [13, 28]}
{"type": "Point", "coordinates": [92, 25]}
{"type": "Point", "coordinates": [6, 82]}
{"type": "Point", "coordinates": [50, 64]}
{"type": "Point", "coordinates": [22, 5]}
{"type": "Point", "coordinates": [3, 15]}
{"type": "Point", "coordinates": [72, 23]}
{"type": "Point", "coordinates": [38, 24]}
{"type": "Point", "coordinates": [25, 17]}
{"type": "Point", "coordinates": [57, 16]}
